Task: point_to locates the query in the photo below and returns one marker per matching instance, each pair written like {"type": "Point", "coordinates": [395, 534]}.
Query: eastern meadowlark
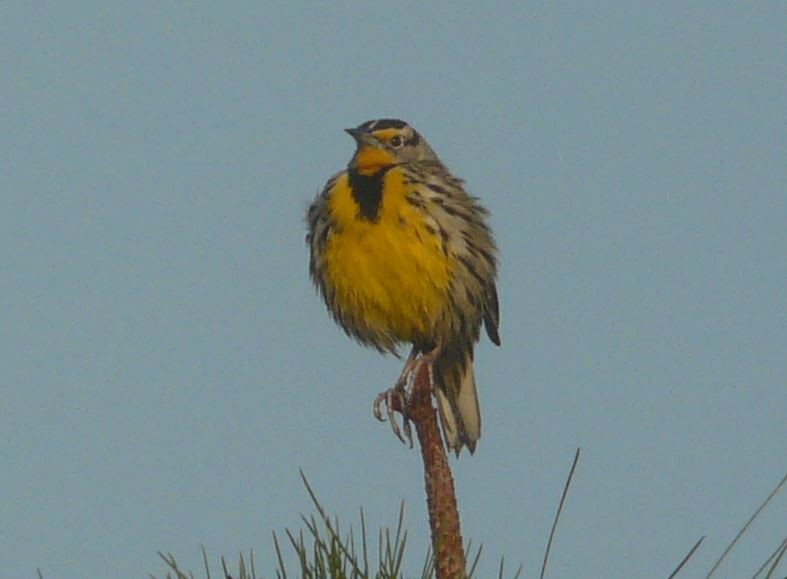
{"type": "Point", "coordinates": [401, 253]}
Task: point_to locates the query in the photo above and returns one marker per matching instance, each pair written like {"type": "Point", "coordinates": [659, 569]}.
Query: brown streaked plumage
{"type": "Point", "coordinates": [401, 253]}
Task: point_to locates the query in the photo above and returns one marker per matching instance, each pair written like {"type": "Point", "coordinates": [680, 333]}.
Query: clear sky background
{"type": "Point", "coordinates": [166, 367]}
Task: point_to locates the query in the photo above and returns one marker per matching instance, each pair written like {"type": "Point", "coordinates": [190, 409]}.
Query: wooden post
{"type": "Point", "coordinates": [440, 495]}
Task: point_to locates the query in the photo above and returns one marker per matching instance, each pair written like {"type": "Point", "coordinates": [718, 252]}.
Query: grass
{"type": "Point", "coordinates": [323, 549]}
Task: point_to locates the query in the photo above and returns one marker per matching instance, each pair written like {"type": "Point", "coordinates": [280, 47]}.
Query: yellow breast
{"type": "Point", "coordinates": [389, 273]}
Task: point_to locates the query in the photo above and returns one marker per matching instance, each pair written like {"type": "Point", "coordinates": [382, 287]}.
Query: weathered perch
{"type": "Point", "coordinates": [440, 495]}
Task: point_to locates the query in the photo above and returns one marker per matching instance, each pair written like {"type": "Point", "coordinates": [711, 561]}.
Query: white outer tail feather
{"type": "Point", "coordinates": [461, 418]}
{"type": "Point", "coordinates": [447, 418]}
{"type": "Point", "coordinates": [467, 403]}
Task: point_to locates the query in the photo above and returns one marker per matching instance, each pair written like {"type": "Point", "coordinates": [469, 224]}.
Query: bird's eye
{"type": "Point", "coordinates": [396, 142]}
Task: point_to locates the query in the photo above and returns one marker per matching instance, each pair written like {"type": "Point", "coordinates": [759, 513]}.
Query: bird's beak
{"type": "Point", "coordinates": [362, 138]}
{"type": "Point", "coordinates": [354, 133]}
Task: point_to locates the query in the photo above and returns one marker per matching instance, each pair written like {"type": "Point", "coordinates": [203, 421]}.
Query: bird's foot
{"type": "Point", "coordinates": [398, 398]}
{"type": "Point", "coordinates": [395, 400]}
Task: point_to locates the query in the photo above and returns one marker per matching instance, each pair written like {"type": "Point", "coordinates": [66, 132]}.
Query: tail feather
{"type": "Point", "coordinates": [457, 400]}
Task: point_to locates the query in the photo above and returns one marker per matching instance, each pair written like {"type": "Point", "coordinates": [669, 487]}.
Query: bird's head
{"type": "Point", "coordinates": [385, 142]}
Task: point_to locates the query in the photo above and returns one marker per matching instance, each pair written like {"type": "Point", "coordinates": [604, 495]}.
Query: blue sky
{"type": "Point", "coordinates": [166, 367]}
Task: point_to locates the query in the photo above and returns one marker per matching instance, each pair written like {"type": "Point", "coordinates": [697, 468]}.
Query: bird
{"type": "Point", "coordinates": [402, 254]}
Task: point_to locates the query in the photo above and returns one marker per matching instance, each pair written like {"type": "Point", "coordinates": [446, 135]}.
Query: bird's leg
{"type": "Point", "coordinates": [428, 358]}
{"type": "Point", "coordinates": [397, 398]}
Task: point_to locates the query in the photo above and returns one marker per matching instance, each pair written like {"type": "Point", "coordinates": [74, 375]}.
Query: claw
{"type": "Point", "coordinates": [398, 398]}
{"type": "Point", "coordinates": [394, 400]}
{"type": "Point", "coordinates": [378, 401]}
{"type": "Point", "coordinates": [408, 431]}
{"type": "Point", "coordinates": [395, 425]}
